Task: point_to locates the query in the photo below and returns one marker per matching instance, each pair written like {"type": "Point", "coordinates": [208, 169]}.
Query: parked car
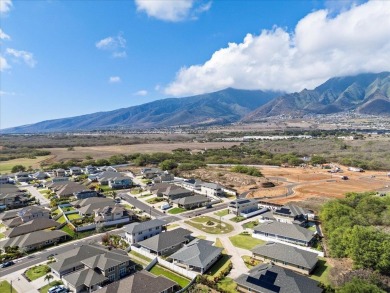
{"type": "Point", "coordinates": [344, 178]}
{"type": "Point", "coordinates": [7, 264]}
{"type": "Point", "coordinates": [57, 289]}
{"type": "Point", "coordinates": [51, 255]}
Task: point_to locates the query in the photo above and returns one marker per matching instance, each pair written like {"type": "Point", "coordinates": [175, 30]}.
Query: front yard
{"type": "Point", "coordinates": [238, 219]}
{"type": "Point", "coordinates": [37, 272]}
{"type": "Point", "coordinates": [210, 225]}
{"type": "Point", "coordinates": [222, 213]}
{"type": "Point", "coordinates": [155, 200]}
{"type": "Point", "coordinates": [175, 211]}
{"type": "Point", "coordinates": [245, 241]}
{"type": "Point", "coordinates": [160, 271]}
{"type": "Point", "coordinates": [250, 262]}
{"type": "Point", "coordinates": [46, 288]}
{"type": "Point", "coordinates": [250, 225]}
{"type": "Point", "coordinates": [5, 287]}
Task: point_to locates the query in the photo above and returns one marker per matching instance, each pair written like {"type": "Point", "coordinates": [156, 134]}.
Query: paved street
{"type": "Point", "coordinates": [203, 211]}
{"type": "Point", "coordinates": [34, 192]}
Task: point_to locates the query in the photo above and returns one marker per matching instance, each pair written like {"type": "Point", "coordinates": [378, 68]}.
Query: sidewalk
{"type": "Point", "coordinates": [239, 266]}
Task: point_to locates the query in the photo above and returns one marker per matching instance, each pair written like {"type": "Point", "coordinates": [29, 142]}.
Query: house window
{"type": "Point", "coordinates": [157, 228]}
{"type": "Point", "coordinates": [139, 233]}
{"type": "Point", "coordinates": [111, 278]}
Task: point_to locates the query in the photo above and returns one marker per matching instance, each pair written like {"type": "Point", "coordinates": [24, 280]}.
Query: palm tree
{"type": "Point", "coordinates": [48, 277]}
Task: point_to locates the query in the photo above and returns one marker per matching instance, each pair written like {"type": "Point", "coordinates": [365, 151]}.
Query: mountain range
{"type": "Point", "coordinates": [364, 93]}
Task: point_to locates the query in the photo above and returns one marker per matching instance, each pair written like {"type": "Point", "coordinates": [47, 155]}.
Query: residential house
{"type": "Point", "coordinates": [15, 218]}
{"type": "Point", "coordinates": [141, 282]}
{"type": "Point", "coordinates": [150, 173]}
{"type": "Point", "coordinates": [31, 226]}
{"type": "Point", "coordinates": [4, 179]}
{"type": "Point", "coordinates": [66, 188]}
{"type": "Point", "coordinates": [159, 188]}
{"type": "Point", "coordinates": [22, 177]}
{"type": "Point", "coordinates": [291, 214]}
{"type": "Point", "coordinates": [174, 193]}
{"type": "Point", "coordinates": [39, 175]}
{"type": "Point", "coordinates": [87, 207]}
{"type": "Point", "coordinates": [192, 184]}
{"type": "Point", "coordinates": [35, 240]}
{"type": "Point", "coordinates": [211, 189]}
{"type": "Point", "coordinates": [285, 232]}
{"type": "Point", "coordinates": [164, 177]}
{"type": "Point", "coordinates": [85, 194]}
{"type": "Point", "coordinates": [85, 268]}
{"type": "Point", "coordinates": [112, 213]}
{"type": "Point", "coordinates": [286, 256]}
{"type": "Point", "coordinates": [198, 255]}
{"type": "Point", "coordinates": [75, 171]}
{"type": "Point", "coordinates": [266, 278]}
{"type": "Point", "coordinates": [136, 232]}
{"type": "Point", "coordinates": [59, 172]}
{"type": "Point", "coordinates": [58, 179]}
{"type": "Point", "coordinates": [114, 179]}
{"type": "Point", "coordinates": [11, 197]}
{"type": "Point", "coordinates": [167, 242]}
{"type": "Point", "coordinates": [243, 205]}
{"type": "Point", "coordinates": [192, 202]}
{"type": "Point", "coordinates": [89, 170]}
{"type": "Point", "coordinates": [107, 168]}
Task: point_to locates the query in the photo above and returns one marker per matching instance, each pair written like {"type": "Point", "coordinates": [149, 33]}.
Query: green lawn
{"type": "Point", "coordinates": [155, 200]}
{"type": "Point", "coordinates": [68, 209]}
{"type": "Point", "coordinates": [250, 225]}
{"type": "Point", "coordinates": [61, 220]}
{"type": "Point", "coordinates": [6, 166]}
{"type": "Point", "coordinates": [216, 228]}
{"type": "Point", "coordinates": [2, 225]}
{"type": "Point", "coordinates": [73, 217]}
{"type": "Point", "coordinates": [222, 213]}
{"type": "Point", "coordinates": [147, 259]}
{"type": "Point", "coordinates": [46, 288]}
{"type": "Point", "coordinates": [5, 287]}
{"type": "Point", "coordinates": [245, 241]}
{"type": "Point", "coordinates": [68, 230]}
{"type": "Point", "coordinates": [250, 262]}
{"type": "Point", "coordinates": [227, 285]}
{"type": "Point", "coordinates": [2, 235]}
{"type": "Point", "coordinates": [135, 191]}
{"type": "Point", "coordinates": [37, 272]}
{"type": "Point", "coordinates": [220, 265]}
{"type": "Point", "coordinates": [172, 226]}
{"type": "Point", "coordinates": [237, 219]}
{"type": "Point", "coordinates": [160, 271]}
{"type": "Point", "coordinates": [201, 237]}
{"type": "Point", "coordinates": [321, 272]}
{"type": "Point", "coordinates": [312, 228]}
{"type": "Point", "coordinates": [175, 211]}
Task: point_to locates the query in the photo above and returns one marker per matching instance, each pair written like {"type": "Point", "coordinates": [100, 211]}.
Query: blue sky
{"type": "Point", "coordinates": [66, 58]}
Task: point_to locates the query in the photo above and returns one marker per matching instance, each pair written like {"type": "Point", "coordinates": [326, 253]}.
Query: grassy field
{"type": "Point", "coordinates": [61, 220]}
{"type": "Point", "coordinates": [245, 241]}
{"type": "Point", "coordinates": [175, 211]}
{"type": "Point", "coordinates": [222, 213]}
{"type": "Point", "coordinates": [37, 272]}
{"type": "Point", "coordinates": [227, 285]}
{"type": "Point", "coordinates": [321, 273]}
{"type": "Point", "coordinates": [160, 271]}
{"type": "Point", "coordinates": [5, 287]}
{"type": "Point", "coordinates": [216, 227]}
{"type": "Point", "coordinates": [155, 200]}
{"type": "Point", "coordinates": [250, 225]}
{"type": "Point", "coordinates": [237, 219]}
{"type": "Point", "coordinates": [68, 230]}
{"type": "Point", "coordinates": [46, 288]}
{"type": "Point", "coordinates": [6, 166]}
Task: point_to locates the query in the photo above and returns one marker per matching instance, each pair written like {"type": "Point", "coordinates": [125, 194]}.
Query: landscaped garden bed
{"type": "Point", "coordinates": [210, 225]}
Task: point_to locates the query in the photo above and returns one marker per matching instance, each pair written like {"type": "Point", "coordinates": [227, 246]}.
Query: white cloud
{"type": "Point", "coordinates": [141, 93]}
{"type": "Point", "coordinates": [114, 44]}
{"type": "Point", "coordinates": [5, 6]}
{"type": "Point", "coordinates": [172, 10]}
{"type": "Point", "coordinates": [27, 57]}
{"type": "Point", "coordinates": [114, 79]}
{"type": "Point", "coordinates": [3, 35]}
{"type": "Point", "coordinates": [4, 64]}
{"type": "Point", "coordinates": [354, 41]}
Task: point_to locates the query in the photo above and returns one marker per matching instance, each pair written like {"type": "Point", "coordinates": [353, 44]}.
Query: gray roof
{"type": "Point", "coordinates": [211, 185]}
{"type": "Point", "coordinates": [198, 253]}
{"type": "Point", "coordinates": [286, 230]}
{"type": "Point", "coordinates": [85, 277]}
{"type": "Point", "coordinates": [105, 260]}
{"type": "Point", "coordinates": [142, 226]}
{"type": "Point", "coordinates": [267, 278]}
{"type": "Point", "coordinates": [140, 282]}
{"type": "Point", "coordinates": [91, 200]}
{"type": "Point", "coordinates": [31, 226]}
{"type": "Point", "coordinates": [287, 253]}
{"type": "Point", "coordinates": [291, 210]}
{"type": "Point", "coordinates": [67, 188]}
{"type": "Point", "coordinates": [191, 200]}
{"type": "Point", "coordinates": [8, 189]}
{"type": "Point", "coordinates": [32, 238]}
{"type": "Point", "coordinates": [241, 201]}
{"type": "Point", "coordinates": [75, 256]}
{"type": "Point", "coordinates": [32, 210]}
{"type": "Point", "coordinates": [166, 239]}
{"type": "Point", "coordinates": [174, 191]}
{"type": "Point", "coordinates": [9, 214]}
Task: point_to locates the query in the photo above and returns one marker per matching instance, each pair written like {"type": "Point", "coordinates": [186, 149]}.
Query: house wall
{"type": "Point", "coordinates": [210, 191]}
{"type": "Point", "coordinates": [135, 238]}
{"type": "Point", "coordinates": [245, 289]}
{"type": "Point", "coordinates": [246, 208]}
{"type": "Point", "coordinates": [292, 267]}
{"type": "Point", "coordinates": [283, 238]}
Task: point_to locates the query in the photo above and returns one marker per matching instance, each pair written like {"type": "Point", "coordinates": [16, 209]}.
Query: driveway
{"type": "Point", "coordinates": [34, 192]}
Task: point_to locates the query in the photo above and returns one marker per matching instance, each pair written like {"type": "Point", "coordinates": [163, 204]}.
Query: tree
{"type": "Point", "coordinates": [18, 168]}
{"type": "Point", "coordinates": [168, 165]}
{"type": "Point", "coordinates": [359, 286]}
{"type": "Point", "coordinates": [48, 277]}
{"type": "Point", "coordinates": [317, 160]}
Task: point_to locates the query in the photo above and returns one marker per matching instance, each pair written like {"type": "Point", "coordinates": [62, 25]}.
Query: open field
{"type": "Point", "coordinates": [100, 152]}
{"type": "Point", "coordinates": [6, 166]}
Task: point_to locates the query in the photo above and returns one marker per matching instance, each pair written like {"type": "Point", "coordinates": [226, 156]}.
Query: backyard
{"type": "Point", "coordinates": [321, 272]}
{"type": "Point", "coordinates": [160, 271]}
{"type": "Point", "coordinates": [73, 217]}
{"type": "Point", "coordinates": [210, 225]}
{"type": "Point", "coordinates": [245, 241]}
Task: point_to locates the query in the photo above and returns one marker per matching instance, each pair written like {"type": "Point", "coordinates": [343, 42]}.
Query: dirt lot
{"type": "Point", "coordinates": [100, 152]}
